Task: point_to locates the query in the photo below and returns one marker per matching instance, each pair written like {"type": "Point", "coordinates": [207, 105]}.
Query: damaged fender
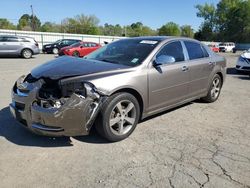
{"type": "Point", "coordinates": [71, 116]}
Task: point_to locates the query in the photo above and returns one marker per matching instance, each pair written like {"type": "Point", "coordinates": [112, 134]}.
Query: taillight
{"type": "Point", "coordinates": [36, 43]}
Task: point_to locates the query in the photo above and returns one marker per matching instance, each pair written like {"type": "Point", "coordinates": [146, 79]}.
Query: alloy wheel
{"type": "Point", "coordinates": [27, 54]}
{"type": "Point", "coordinates": [122, 117]}
{"type": "Point", "coordinates": [216, 87]}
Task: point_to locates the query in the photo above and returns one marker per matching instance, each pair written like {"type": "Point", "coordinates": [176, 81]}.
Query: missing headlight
{"type": "Point", "coordinates": [68, 89]}
{"type": "Point", "coordinates": [84, 89]}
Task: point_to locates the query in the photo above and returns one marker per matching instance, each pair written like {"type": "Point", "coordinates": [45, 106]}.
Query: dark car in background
{"type": "Point", "coordinates": [22, 46]}
{"type": "Point", "coordinates": [79, 49]}
{"type": "Point", "coordinates": [116, 86]}
{"type": "Point", "coordinates": [56, 46]}
{"type": "Point", "coordinates": [241, 47]}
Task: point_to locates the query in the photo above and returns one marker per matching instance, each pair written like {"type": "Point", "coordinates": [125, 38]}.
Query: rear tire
{"type": "Point", "coordinates": [26, 53]}
{"type": "Point", "coordinates": [214, 90]}
{"type": "Point", "coordinates": [118, 117]}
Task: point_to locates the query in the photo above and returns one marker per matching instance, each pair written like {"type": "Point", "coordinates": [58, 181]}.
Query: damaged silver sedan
{"type": "Point", "coordinates": [116, 86]}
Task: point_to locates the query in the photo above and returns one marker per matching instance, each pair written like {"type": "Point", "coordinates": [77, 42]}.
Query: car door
{"type": "Point", "coordinates": [168, 83]}
{"type": "Point", "coordinates": [83, 49]}
{"type": "Point", "coordinates": [13, 45]}
{"type": "Point", "coordinates": [89, 49]}
{"type": "Point", "coordinates": [200, 67]}
{"type": "Point", "coordinates": [2, 45]}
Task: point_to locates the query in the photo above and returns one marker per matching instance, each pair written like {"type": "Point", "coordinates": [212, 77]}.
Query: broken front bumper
{"type": "Point", "coordinates": [74, 118]}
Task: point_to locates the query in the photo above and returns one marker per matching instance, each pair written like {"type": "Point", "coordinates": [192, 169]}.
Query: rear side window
{"type": "Point", "coordinates": [93, 44]}
{"type": "Point", "coordinates": [205, 51]}
{"type": "Point", "coordinates": [195, 50]}
{"type": "Point", "coordinates": [24, 40]}
{"type": "Point", "coordinates": [173, 49]}
{"type": "Point", "coordinates": [12, 39]}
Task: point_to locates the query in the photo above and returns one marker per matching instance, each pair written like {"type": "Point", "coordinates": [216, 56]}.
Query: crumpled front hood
{"type": "Point", "coordinates": [70, 66]}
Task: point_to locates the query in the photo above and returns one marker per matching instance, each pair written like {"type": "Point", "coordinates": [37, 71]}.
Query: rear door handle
{"type": "Point", "coordinates": [184, 68]}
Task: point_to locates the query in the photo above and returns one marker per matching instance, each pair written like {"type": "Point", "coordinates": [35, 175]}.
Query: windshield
{"type": "Point", "coordinates": [130, 52]}
{"type": "Point", "coordinates": [58, 41]}
{"type": "Point", "coordinates": [75, 44]}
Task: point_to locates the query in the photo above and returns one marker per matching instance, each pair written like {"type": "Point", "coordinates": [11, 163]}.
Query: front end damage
{"type": "Point", "coordinates": [49, 107]}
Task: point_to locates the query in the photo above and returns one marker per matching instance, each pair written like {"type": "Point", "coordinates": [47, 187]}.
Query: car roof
{"type": "Point", "coordinates": [71, 39]}
{"type": "Point", "coordinates": [16, 36]}
{"type": "Point", "coordinates": [161, 38]}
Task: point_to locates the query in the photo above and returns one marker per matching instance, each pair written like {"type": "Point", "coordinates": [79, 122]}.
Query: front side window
{"type": "Point", "coordinates": [173, 49]}
{"type": "Point", "coordinates": [130, 52]}
{"type": "Point", "coordinates": [195, 50]}
{"type": "Point", "coordinates": [76, 44]}
{"type": "Point", "coordinates": [65, 42]}
{"type": "Point", "coordinates": [70, 42]}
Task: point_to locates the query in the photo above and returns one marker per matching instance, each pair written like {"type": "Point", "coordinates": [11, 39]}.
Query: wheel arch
{"type": "Point", "coordinates": [221, 76]}
{"type": "Point", "coordinates": [136, 94]}
{"type": "Point", "coordinates": [26, 49]}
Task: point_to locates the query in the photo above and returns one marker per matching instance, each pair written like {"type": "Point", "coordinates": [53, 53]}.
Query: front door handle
{"type": "Point", "coordinates": [184, 68]}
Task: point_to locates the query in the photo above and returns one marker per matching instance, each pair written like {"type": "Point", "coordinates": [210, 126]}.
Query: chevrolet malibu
{"type": "Point", "coordinates": [116, 86]}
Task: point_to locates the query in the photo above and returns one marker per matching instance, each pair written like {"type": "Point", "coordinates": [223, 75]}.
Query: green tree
{"type": "Point", "coordinates": [208, 27]}
{"type": "Point", "coordinates": [27, 22]}
{"type": "Point", "coordinates": [233, 20]}
{"type": "Point", "coordinates": [81, 24]}
{"type": "Point", "coordinates": [35, 23]}
{"type": "Point", "coordinates": [6, 24]}
{"type": "Point", "coordinates": [24, 22]}
{"type": "Point", "coordinates": [187, 31]}
{"type": "Point", "coordinates": [111, 30]}
{"type": "Point", "coordinates": [170, 29]}
{"type": "Point", "coordinates": [50, 27]}
{"type": "Point", "coordinates": [228, 21]}
{"type": "Point", "coordinates": [138, 29]}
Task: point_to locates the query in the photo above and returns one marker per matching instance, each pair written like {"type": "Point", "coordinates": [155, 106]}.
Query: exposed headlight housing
{"type": "Point", "coordinates": [84, 89]}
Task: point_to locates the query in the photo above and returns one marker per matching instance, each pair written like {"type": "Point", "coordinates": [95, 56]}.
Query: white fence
{"type": "Point", "coordinates": [45, 37]}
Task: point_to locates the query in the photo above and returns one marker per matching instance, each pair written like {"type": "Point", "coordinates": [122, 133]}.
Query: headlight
{"type": "Point", "coordinates": [48, 46]}
{"type": "Point", "coordinates": [242, 59]}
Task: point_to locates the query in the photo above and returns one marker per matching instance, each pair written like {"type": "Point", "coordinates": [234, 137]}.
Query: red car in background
{"type": "Point", "coordinates": [79, 49]}
{"type": "Point", "coordinates": [214, 48]}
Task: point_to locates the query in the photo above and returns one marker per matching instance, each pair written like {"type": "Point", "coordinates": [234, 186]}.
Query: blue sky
{"type": "Point", "coordinates": [153, 13]}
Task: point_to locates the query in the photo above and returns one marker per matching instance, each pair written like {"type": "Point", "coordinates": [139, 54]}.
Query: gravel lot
{"type": "Point", "coordinates": [196, 145]}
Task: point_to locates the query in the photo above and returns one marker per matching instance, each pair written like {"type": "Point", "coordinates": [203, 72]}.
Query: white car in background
{"type": "Point", "coordinates": [243, 63]}
{"type": "Point", "coordinates": [226, 47]}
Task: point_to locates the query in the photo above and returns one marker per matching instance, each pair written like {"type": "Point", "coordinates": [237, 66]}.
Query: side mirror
{"type": "Point", "coordinates": [164, 59]}
{"type": "Point", "coordinates": [81, 46]}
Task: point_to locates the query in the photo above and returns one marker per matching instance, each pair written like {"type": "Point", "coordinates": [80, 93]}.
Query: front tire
{"type": "Point", "coordinates": [76, 54]}
{"type": "Point", "coordinates": [55, 50]}
{"type": "Point", "coordinates": [214, 90]}
{"type": "Point", "coordinates": [118, 117]}
{"type": "Point", "coordinates": [26, 53]}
